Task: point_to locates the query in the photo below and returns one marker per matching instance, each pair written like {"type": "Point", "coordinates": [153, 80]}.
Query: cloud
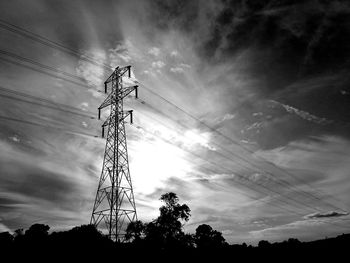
{"type": "Point", "coordinates": [184, 65]}
{"type": "Point", "coordinates": [4, 228]}
{"type": "Point", "coordinates": [222, 119]}
{"type": "Point", "coordinates": [188, 139]}
{"type": "Point", "coordinates": [329, 214]}
{"type": "Point", "coordinates": [236, 55]}
{"type": "Point", "coordinates": [304, 229]}
{"type": "Point", "coordinates": [93, 74]}
{"type": "Point", "coordinates": [304, 114]}
{"type": "Point", "coordinates": [95, 93]}
{"type": "Point", "coordinates": [344, 92]}
{"type": "Point", "coordinates": [84, 106]}
{"type": "Point", "coordinates": [295, 225]}
{"type": "Point", "coordinates": [180, 68]}
{"type": "Point", "coordinates": [15, 138]}
{"type": "Point", "coordinates": [174, 53]}
{"type": "Point", "coordinates": [319, 164]}
{"type": "Point", "coordinates": [40, 186]}
{"type": "Point", "coordinates": [34, 179]}
{"type": "Point", "coordinates": [228, 117]}
{"type": "Point", "coordinates": [154, 51]}
{"type": "Point", "coordinates": [193, 137]}
{"type": "Point", "coordinates": [158, 64]}
{"type": "Point", "coordinates": [177, 70]}
{"type": "Point", "coordinates": [125, 52]}
{"type": "Point", "coordinates": [119, 54]}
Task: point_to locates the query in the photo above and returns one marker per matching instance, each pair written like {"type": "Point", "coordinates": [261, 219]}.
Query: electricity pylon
{"type": "Point", "coordinates": [114, 206]}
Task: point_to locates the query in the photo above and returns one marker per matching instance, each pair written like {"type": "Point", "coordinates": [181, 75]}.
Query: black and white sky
{"type": "Point", "coordinates": [268, 155]}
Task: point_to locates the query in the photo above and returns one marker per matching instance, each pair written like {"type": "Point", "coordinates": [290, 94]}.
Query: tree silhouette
{"type": "Point", "coordinates": [206, 237]}
{"type": "Point", "coordinates": [162, 238]}
{"type": "Point", "coordinates": [135, 231]}
{"type": "Point", "coordinates": [171, 214]}
{"type": "Point", "coordinates": [36, 234]}
{"type": "Point", "coordinates": [19, 236]}
{"type": "Point", "coordinates": [167, 230]}
{"type": "Point", "coordinates": [263, 244]}
{"type": "Point", "coordinates": [6, 240]}
{"type": "Point", "coordinates": [37, 231]}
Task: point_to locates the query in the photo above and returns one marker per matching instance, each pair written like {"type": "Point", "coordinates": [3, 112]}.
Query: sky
{"type": "Point", "coordinates": [243, 112]}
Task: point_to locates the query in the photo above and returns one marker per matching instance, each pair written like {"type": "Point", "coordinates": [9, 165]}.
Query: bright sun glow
{"type": "Point", "coordinates": [188, 139]}
{"type": "Point", "coordinates": [154, 162]}
{"type": "Point", "coordinates": [193, 137]}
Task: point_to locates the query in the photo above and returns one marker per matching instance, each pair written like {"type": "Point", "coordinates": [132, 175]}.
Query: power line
{"type": "Point", "coordinates": [45, 41]}
{"type": "Point", "coordinates": [53, 127]}
{"type": "Point", "coordinates": [46, 106]}
{"type": "Point", "coordinates": [33, 62]}
{"type": "Point", "coordinates": [85, 57]}
{"type": "Point", "coordinates": [241, 183]}
{"type": "Point", "coordinates": [177, 107]}
{"type": "Point", "coordinates": [229, 171]}
{"type": "Point", "coordinates": [46, 73]}
{"type": "Point", "coordinates": [10, 54]}
{"type": "Point", "coordinates": [43, 66]}
{"type": "Point", "coordinates": [46, 126]}
{"type": "Point", "coordinates": [238, 144]}
{"type": "Point", "coordinates": [211, 163]}
{"type": "Point", "coordinates": [280, 181]}
{"type": "Point", "coordinates": [55, 45]}
{"type": "Point", "coordinates": [244, 185]}
{"type": "Point", "coordinates": [94, 136]}
{"type": "Point", "coordinates": [57, 104]}
{"type": "Point", "coordinates": [50, 43]}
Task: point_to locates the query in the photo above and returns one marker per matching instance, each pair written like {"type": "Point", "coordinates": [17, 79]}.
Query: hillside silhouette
{"type": "Point", "coordinates": [163, 239]}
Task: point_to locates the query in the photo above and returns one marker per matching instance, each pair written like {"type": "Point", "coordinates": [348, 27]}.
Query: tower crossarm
{"type": "Point", "coordinates": [111, 77]}
{"type": "Point", "coordinates": [122, 93]}
{"type": "Point", "coordinates": [126, 91]}
{"type": "Point", "coordinates": [106, 102]}
{"type": "Point", "coordinates": [121, 118]}
{"type": "Point", "coordinates": [120, 71]}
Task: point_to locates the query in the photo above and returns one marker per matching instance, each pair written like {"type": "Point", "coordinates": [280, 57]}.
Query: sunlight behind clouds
{"type": "Point", "coordinates": [193, 137]}
{"type": "Point", "coordinates": [209, 74]}
{"type": "Point", "coordinates": [153, 162]}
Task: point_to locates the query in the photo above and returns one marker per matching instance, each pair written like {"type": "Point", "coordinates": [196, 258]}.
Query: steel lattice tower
{"type": "Point", "coordinates": [114, 206]}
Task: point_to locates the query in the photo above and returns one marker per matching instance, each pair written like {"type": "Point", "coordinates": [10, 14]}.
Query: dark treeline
{"type": "Point", "coordinates": [161, 239]}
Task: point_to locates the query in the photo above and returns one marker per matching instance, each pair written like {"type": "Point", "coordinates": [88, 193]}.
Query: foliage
{"type": "Point", "coordinates": [167, 229]}
{"type": "Point", "coordinates": [135, 231]}
{"type": "Point", "coordinates": [162, 237]}
{"type": "Point", "coordinates": [206, 237]}
{"type": "Point", "coordinates": [38, 231]}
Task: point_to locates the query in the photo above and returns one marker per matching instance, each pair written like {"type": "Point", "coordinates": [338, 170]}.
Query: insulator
{"type": "Point", "coordinates": [136, 92]}
{"type": "Point", "coordinates": [131, 117]}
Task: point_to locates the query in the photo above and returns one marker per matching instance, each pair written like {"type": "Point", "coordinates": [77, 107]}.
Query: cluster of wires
{"type": "Point", "coordinates": [244, 159]}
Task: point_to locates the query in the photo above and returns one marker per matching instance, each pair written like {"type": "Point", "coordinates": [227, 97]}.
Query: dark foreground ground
{"type": "Point", "coordinates": [87, 247]}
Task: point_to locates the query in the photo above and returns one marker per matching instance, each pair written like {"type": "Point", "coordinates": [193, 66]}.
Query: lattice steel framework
{"type": "Point", "coordinates": [114, 205]}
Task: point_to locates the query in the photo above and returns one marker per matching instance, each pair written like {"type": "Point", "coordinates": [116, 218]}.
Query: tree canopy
{"type": "Point", "coordinates": [162, 237]}
{"type": "Point", "coordinates": [206, 237]}
{"type": "Point", "coordinates": [167, 229]}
